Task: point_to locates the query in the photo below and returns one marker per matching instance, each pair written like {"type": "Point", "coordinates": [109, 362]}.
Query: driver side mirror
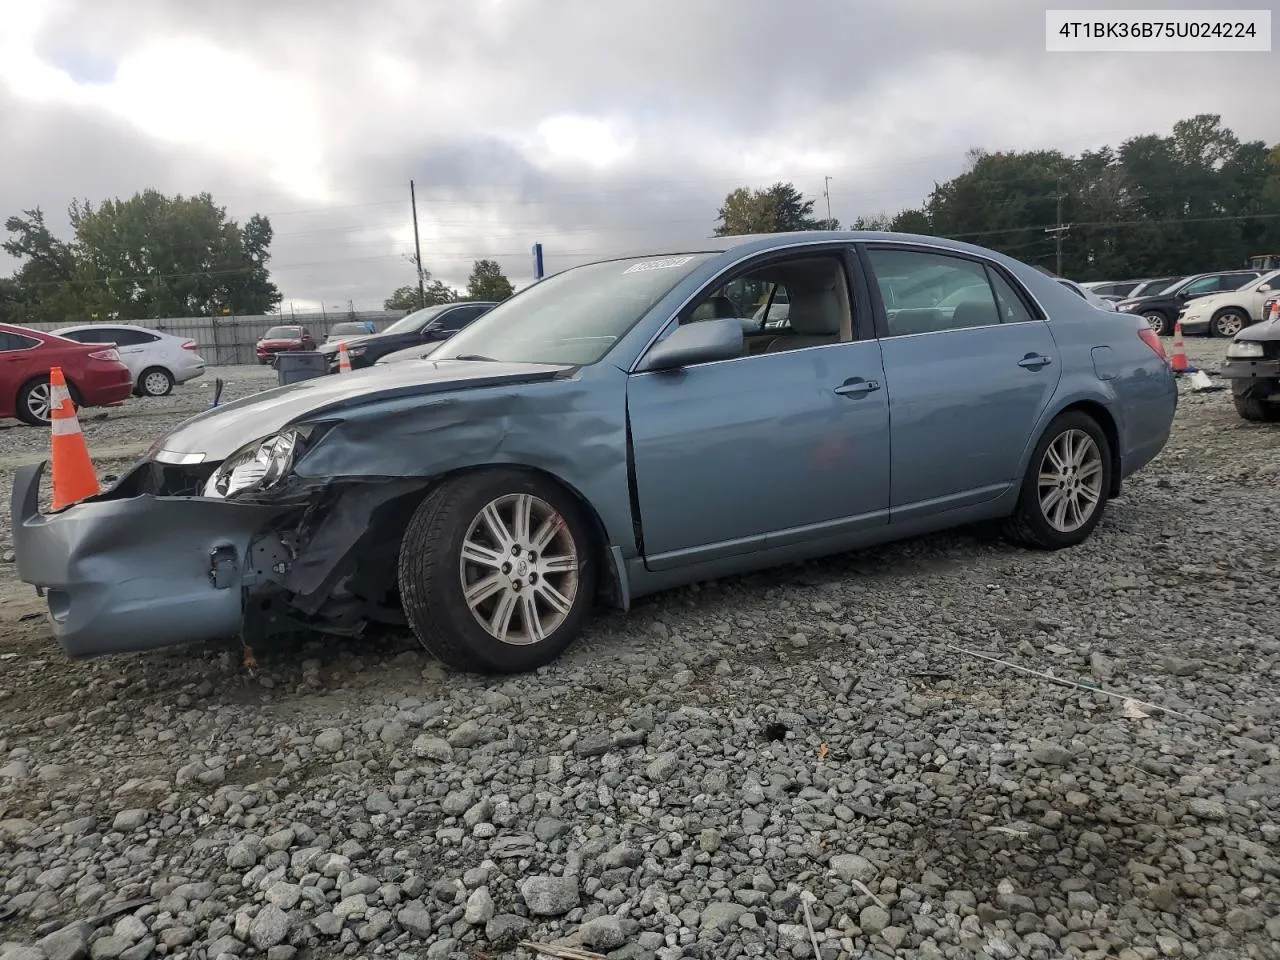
{"type": "Point", "coordinates": [703, 342]}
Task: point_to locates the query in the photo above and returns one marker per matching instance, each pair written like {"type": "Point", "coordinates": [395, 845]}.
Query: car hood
{"type": "Point", "coordinates": [221, 431]}
{"type": "Point", "coordinates": [1209, 302]}
{"type": "Point", "coordinates": [362, 338]}
{"type": "Point", "coordinates": [1140, 303]}
{"type": "Point", "coordinates": [1266, 332]}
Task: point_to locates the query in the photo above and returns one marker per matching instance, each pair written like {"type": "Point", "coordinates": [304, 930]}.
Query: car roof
{"type": "Point", "coordinates": [750, 242]}
{"type": "Point", "coordinates": [115, 326]}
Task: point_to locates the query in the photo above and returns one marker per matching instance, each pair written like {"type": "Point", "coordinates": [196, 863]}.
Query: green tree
{"type": "Point", "coordinates": [880, 221]}
{"type": "Point", "coordinates": [487, 282]}
{"type": "Point", "coordinates": [406, 298]}
{"type": "Point", "coordinates": [777, 209]}
{"type": "Point", "coordinates": [159, 256]}
{"type": "Point", "coordinates": [43, 287]}
{"type": "Point", "coordinates": [148, 256]}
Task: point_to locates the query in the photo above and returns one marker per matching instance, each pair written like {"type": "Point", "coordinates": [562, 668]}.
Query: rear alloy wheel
{"type": "Point", "coordinates": [498, 571]}
{"type": "Point", "coordinates": [35, 403]}
{"type": "Point", "coordinates": [155, 382]}
{"type": "Point", "coordinates": [1066, 486]}
{"type": "Point", "coordinates": [1159, 323]}
{"type": "Point", "coordinates": [1228, 323]}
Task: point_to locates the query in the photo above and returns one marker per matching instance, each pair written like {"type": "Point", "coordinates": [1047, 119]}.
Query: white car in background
{"type": "Point", "coordinates": [156, 360]}
{"type": "Point", "coordinates": [1100, 303]}
{"type": "Point", "coordinates": [1226, 314]}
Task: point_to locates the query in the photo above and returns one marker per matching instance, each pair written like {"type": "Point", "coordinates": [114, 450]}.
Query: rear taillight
{"type": "Point", "coordinates": [111, 354]}
{"type": "Point", "coordinates": [1150, 338]}
{"type": "Point", "coordinates": [190, 345]}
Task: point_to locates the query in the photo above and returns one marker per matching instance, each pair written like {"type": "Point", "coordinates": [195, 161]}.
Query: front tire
{"type": "Point", "coordinates": [1256, 410]}
{"type": "Point", "coordinates": [498, 571]}
{"type": "Point", "coordinates": [1064, 492]}
{"type": "Point", "coordinates": [155, 382]}
{"type": "Point", "coordinates": [1228, 323]}
{"type": "Point", "coordinates": [1158, 322]}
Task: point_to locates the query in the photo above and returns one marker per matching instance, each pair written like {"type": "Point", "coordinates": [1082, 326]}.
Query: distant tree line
{"type": "Point", "coordinates": [148, 256]}
{"type": "Point", "coordinates": [1200, 199]}
{"type": "Point", "coordinates": [487, 283]}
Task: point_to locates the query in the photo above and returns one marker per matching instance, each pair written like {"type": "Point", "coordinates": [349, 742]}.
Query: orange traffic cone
{"type": "Point", "coordinates": [344, 359]}
{"type": "Point", "coordinates": [73, 474]}
{"type": "Point", "coordinates": [1179, 363]}
{"type": "Point", "coordinates": [1275, 312]}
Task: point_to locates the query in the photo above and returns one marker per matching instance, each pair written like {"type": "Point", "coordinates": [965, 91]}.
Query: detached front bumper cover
{"type": "Point", "coordinates": [137, 573]}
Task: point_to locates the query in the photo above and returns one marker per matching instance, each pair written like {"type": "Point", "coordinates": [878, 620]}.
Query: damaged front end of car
{"type": "Point", "coordinates": [179, 551]}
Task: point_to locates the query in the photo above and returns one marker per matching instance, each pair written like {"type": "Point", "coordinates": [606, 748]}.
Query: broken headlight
{"type": "Point", "coordinates": [259, 465]}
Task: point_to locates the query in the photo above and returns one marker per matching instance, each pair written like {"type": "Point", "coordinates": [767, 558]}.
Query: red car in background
{"type": "Point", "coordinates": [95, 376]}
{"type": "Point", "coordinates": [281, 339]}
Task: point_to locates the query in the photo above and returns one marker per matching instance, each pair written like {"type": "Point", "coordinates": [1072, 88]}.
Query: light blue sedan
{"type": "Point", "coordinates": [613, 430]}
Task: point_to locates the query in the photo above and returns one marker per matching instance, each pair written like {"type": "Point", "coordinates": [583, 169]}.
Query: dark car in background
{"type": "Point", "coordinates": [1161, 310]}
{"type": "Point", "coordinates": [428, 325]}
{"type": "Point", "coordinates": [95, 375]}
{"type": "Point", "coordinates": [1253, 368]}
{"type": "Point", "coordinates": [281, 339]}
{"type": "Point", "coordinates": [1149, 288]}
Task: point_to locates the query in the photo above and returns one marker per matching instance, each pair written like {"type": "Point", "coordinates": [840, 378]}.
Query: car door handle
{"type": "Point", "coordinates": [857, 387]}
{"type": "Point", "coordinates": [1034, 361]}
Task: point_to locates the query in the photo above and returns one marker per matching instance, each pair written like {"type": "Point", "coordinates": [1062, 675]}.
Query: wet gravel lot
{"type": "Point", "coordinates": [709, 776]}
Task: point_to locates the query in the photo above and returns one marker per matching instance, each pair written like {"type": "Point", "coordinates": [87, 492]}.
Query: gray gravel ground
{"type": "Point", "coordinates": [690, 777]}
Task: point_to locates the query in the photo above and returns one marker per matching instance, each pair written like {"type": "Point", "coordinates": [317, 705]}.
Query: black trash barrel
{"type": "Point", "coordinates": [295, 365]}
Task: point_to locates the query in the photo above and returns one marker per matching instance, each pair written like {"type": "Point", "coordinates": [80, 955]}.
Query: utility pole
{"type": "Point", "coordinates": [417, 248]}
{"type": "Point", "coordinates": [826, 192]}
{"type": "Point", "coordinates": [1058, 231]}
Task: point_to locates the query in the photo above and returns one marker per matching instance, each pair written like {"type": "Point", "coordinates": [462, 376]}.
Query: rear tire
{"type": "Point", "coordinates": [33, 405]}
{"type": "Point", "coordinates": [485, 609]}
{"type": "Point", "coordinates": [155, 382]}
{"type": "Point", "coordinates": [1063, 496]}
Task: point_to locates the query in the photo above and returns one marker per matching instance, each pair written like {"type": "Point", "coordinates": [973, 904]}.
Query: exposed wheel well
{"type": "Point", "coordinates": [610, 588]}
{"type": "Point", "coordinates": [1102, 416]}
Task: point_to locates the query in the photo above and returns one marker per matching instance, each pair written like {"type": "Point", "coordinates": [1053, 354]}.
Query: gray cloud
{"type": "Point", "coordinates": [700, 96]}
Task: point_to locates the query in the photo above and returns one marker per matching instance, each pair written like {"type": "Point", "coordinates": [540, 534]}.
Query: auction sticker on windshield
{"type": "Point", "coordinates": [657, 264]}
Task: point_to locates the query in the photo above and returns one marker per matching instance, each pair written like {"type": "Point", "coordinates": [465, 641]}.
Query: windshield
{"type": "Point", "coordinates": [413, 322]}
{"type": "Point", "coordinates": [282, 333]}
{"type": "Point", "coordinates": [575, 316]}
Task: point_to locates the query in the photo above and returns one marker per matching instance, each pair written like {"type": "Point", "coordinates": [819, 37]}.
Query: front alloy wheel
{"type": "Point", "coordinates": [1228, 323]}
{"type": "Point", "coordinates": [519, 569]}
{"type": "Point", "coordinates": [1159, 323]}
{"type": "Point", "coordinates": [497, 570]}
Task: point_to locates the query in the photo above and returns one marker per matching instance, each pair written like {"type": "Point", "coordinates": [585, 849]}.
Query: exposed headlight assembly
{"type": "Point", "coordinates": [1244, 349]}
{"type": "Point", "coordinates": [259, 465]}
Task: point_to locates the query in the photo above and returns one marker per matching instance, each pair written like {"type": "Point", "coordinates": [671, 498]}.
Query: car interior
{"type": "Point", "coordinates": [783, 306]}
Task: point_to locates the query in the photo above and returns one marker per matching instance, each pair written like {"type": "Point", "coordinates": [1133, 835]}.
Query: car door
{"type": "Point", "coordinates": [785, 444]}
{"type": "Point", "coordinates": [130, 344]}
{"type": "Point", "coordinates": [450, 322]}
{"type": "Point", "coordinates": [966, 387]}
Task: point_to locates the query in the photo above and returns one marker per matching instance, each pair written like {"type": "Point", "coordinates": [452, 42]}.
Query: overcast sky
{"type": "Point", "coordinates": [594, 126]}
